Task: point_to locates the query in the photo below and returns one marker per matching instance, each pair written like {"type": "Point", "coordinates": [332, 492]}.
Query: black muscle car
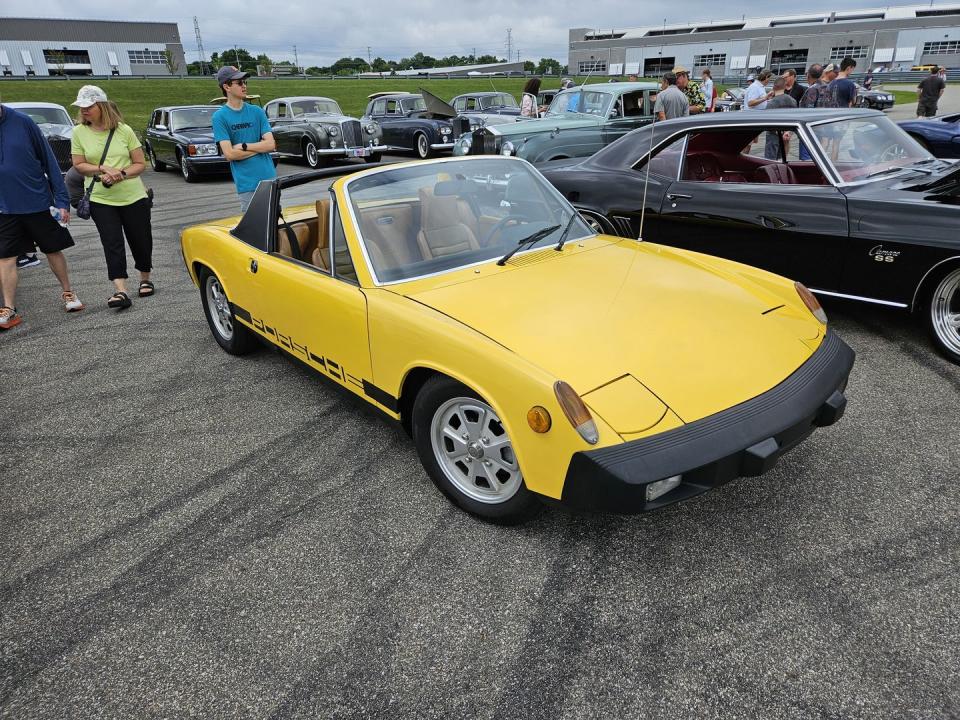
{"type": "Point", "coordinates": [56, 125]}
{"type": "Point", "coordinates": [182, 136]}
{"type": "Point", "coordinates": [409, 123]}
{"type": "Point", "coordinates": [842, 200]}
{"type": "Point", "coordinates": [315, 129]}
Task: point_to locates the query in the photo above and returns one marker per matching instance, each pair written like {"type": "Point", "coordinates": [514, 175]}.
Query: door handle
{"type": "Point", "coordinates": [774, 223]}
{"type": "Point", "coordinates": [253, 266]}
{"type": "Point", "coordinates": [678, 196]}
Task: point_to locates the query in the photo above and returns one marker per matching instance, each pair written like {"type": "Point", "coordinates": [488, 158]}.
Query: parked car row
{"type": "Point", "coordinates": [732, 99]}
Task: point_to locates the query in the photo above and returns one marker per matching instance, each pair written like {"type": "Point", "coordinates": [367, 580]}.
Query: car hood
{"type": "Point", "coordinates": [195, 135]}
{"type": "Point", "coordinates": [699, 336]}
{"type": "Point", "coordinates": [561, 122]}
{"type": "Point", "coordinates": [326, 118]}
{"type": "Point", "coordinates": [54, 130]}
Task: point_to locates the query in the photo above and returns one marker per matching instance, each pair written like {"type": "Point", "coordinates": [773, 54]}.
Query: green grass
{"type": "Point", "coordinates": [138, 98]}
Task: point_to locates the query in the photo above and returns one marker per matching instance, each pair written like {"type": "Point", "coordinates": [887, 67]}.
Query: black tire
{"type": "Point", "coordinates": [941, 303]}
{"type": "Point", "coordinates": [518, 503]}
{"type": "Point", "coordinates": [421, 146]}
{"type": "Point", "coordinates": [238, 339]}
{"type": "Point", "coordinates": [154, 163]}
{"type": "Point", "coordinates": [185, 170]}
{"type": "Point", "coordinates": [311, 155]}
{"type": "Point", "coordinates": [597, 221]}
{"type": "Point", "coordinates": [923, 143]}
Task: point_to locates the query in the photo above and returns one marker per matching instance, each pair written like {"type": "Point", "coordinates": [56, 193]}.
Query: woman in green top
{"type": "Point", "coordinates": [118, 204]}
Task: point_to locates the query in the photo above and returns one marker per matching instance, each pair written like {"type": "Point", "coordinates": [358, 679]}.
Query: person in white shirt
{"type": "Point", "coordinates": [756, 96]}
{"type": "Point", "coordinates": [707, 86]}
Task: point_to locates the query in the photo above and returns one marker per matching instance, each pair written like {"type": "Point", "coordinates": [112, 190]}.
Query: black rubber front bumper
{"type": "Point", "coordinates": [745, 440]}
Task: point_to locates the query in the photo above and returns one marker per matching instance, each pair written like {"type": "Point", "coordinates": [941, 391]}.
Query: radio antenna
{"type": "Point", "coordinates": [646, 180]}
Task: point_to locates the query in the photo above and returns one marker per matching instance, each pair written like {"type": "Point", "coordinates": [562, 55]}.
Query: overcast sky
{"type": "Point", "coordinates": [326, 31]}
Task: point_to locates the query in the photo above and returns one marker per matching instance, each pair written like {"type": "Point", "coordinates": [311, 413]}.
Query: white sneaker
{"type": "Point", "coordinates": [71, 303]}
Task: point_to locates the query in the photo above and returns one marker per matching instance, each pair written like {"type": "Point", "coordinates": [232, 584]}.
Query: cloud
{"type": "Point", "coordinates": [324, 32]}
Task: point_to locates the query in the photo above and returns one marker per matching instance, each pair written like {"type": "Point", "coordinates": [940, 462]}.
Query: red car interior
{"type": "Point", "coordinates": [722, 156]}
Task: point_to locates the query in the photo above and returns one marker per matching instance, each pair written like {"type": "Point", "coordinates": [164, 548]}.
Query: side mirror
{"type": "Point", "coordinates": [159, 127]}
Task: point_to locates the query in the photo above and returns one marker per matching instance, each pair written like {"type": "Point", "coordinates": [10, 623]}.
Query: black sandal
{"type": "Point", "coordinates": [147, 286]}
{"type": "Point", "coordinates": [119, 300]}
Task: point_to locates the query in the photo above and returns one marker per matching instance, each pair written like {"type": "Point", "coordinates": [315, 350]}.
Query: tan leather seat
{"type": "Point", "coordinates": [320, 251]}
{"type": "Point", "coordinates": [391, 230]}
{"type": "Point", "coordinates": [442, 230]}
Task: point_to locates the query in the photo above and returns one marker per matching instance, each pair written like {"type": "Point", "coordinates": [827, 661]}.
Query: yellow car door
{"type": "Point", "coordinates": [315, 308]}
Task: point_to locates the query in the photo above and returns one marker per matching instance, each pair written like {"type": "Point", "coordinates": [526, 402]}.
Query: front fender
{"type": "Point", "coordinates": [562, 144]}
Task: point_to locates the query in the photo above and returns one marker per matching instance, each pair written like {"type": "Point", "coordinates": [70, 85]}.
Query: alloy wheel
{"type": "Point", "coordinates": [220, 314]}
{"type": "Point", "coordinates": [945, 312]}
{"type": "Point", "coordinates": [474, 451]}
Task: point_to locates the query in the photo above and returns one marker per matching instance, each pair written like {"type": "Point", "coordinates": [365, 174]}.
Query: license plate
{"type": "Point", "coordinates": [359, 152]}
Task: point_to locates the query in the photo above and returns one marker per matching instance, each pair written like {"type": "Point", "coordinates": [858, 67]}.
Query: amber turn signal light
{"type": "Point", "coordinates": [539, 419]}
{"type": "Point", "coordinates": [576, 411]}
{"type": "Point", "coordinates": [810, 300]}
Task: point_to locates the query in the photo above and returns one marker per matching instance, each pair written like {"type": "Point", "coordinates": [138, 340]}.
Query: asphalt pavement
{"type": "Point", "coordinates": [190, 534]}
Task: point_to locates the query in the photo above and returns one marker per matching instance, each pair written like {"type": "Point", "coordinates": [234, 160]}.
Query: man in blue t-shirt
{"type": "Point", "coordinates": [244, 136]}
{"type": "Point", "coordinates": [843, 88]}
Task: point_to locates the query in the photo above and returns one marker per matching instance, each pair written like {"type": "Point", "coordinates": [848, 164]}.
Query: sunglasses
{"type": "Point", "coordinates": [238, 82]}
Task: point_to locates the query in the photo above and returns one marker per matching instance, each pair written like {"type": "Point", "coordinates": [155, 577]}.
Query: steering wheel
{"type": "Point", "coordinates": [500, 227]}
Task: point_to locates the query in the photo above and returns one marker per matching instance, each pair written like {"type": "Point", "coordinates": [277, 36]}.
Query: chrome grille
{"type": "Point", "coordinates": [484, 143]}
{"type": "Point", "coordinates": [352, 135]}
{"type": "Point", "coordinates": [461, 126]}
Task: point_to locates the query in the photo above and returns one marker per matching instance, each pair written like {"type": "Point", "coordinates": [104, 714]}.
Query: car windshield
{"type": "Point", "coordinates": [322, 106]}
{"type": "Point", "coordinates": [503, 100]}
{"type": "Point", "coordinates": [411, 104]}
{"type": "Point", "coordinates": [192, 118]}
{"type": "Point", "coordinates": [866, 148]}
{"type": "Point", "coordinates": [47, 115]}
{"type": "Point", "coordinates": [577, 100]}
{"type": "Point", "coordinates": [441, 216]}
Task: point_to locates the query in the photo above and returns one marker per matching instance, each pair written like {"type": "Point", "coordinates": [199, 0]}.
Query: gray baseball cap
{"type": "Point", "coordinates": [228, 73]}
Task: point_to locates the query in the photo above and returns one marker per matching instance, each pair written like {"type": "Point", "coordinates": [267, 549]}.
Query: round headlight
{"type": "Point", "coordinates": [332, 130]}
{"type": "Point", "coordinates": [333, 143]}
{"type": "Point", "coordinates": [507, 148]}
{"type": "Point", "coordinates": [444, 130]}
{"type": "Point", "coordinates": [371, 128]}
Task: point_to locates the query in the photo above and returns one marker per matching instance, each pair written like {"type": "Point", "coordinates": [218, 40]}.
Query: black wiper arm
{"type": "Point", "coordinates": [875, 173]}
{"type": "Point", "coordinates": [566, 231]}
{"type": "Point", "coordinates": [528, 240]}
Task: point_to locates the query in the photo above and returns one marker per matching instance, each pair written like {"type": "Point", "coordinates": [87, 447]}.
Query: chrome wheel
{"type": "Point", "coordinates": [593, 222]}
{"type": "Point", "coordinates": [311, 155]}
{"type": "Point", "coordinates": [473, 450]}
{"type": "Point", "coordinates": [423, 147]}
{"type": "Point", "coordinates": [945, 312]}
{"type": "Point", "coordinates": [221, 316]}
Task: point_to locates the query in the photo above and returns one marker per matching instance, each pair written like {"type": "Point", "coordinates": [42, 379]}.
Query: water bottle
{"type": "Point", "coordinates": [55, 212]}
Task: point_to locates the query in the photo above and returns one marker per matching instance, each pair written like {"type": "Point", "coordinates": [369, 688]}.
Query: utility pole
{"type": "Point", "coordinates": [236, 55]}
{"type": "Point", "coordinates": [369, 61]}
{"type": "Point", "coordinates": [509, 43]}
{"type": "Point", "coordinates": [296, 60]}
{"type": "Point", "coordinates": [203, 59]}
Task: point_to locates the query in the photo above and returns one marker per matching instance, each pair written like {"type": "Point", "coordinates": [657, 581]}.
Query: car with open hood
{"type": "Point", "coordinates": [181, 136]}
{"type": "Point", "coordinates": [842, 200]}
{"type": "Point", "coordinates": [316, 130]}
{"type": "Point", "coordinates": [580, 120]}
{"type": "Point", "coordinates": [529, 357]}
{"type": "Point", "coordinates": [56, 125]}
{"type": "Point", "coordinates": [420, 123]}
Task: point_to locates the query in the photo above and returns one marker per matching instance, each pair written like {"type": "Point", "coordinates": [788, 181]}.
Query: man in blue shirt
{"type": "Point", "coordinates": [843, 88]}
{"type": "Point", "coordinates": [30, 187]}
{"type": "Point", "coordinates": [244, 136]}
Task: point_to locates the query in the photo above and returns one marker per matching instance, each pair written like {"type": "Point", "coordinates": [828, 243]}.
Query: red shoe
{"type": "Point", "coordinates": [9, 317]}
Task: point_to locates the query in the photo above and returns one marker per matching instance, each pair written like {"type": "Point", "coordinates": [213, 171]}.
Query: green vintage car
{"type": "Point", "coordinates": [580, 121]}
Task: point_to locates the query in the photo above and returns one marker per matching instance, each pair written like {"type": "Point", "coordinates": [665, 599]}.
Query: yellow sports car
{"type": "Point", "coordinates": [528, 357]}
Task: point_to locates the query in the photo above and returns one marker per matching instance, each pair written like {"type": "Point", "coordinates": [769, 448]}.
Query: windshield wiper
{"type": "Point", "coordinates": [528, 240]}
{"type": "Point", "coordinates": [566, 231]}
{"type": "Point", "coordinates": [875, 173]}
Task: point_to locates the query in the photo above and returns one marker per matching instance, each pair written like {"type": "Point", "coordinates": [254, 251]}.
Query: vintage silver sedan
{"type": "Point", "coordinates": [315, 129]}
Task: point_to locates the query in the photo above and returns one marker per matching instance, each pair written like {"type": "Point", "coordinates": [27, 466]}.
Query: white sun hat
{"type": "Point", "coordinates": [88, 95]}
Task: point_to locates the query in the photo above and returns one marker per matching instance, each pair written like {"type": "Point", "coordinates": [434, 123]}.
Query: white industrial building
{"type": "Point", "coordinates": [40, 46]}
{"type": "Point", "coordinates": [889, 38]}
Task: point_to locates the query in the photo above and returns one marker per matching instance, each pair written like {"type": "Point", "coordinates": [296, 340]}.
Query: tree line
{"type": "Point", "coordinates": [243, 59]}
